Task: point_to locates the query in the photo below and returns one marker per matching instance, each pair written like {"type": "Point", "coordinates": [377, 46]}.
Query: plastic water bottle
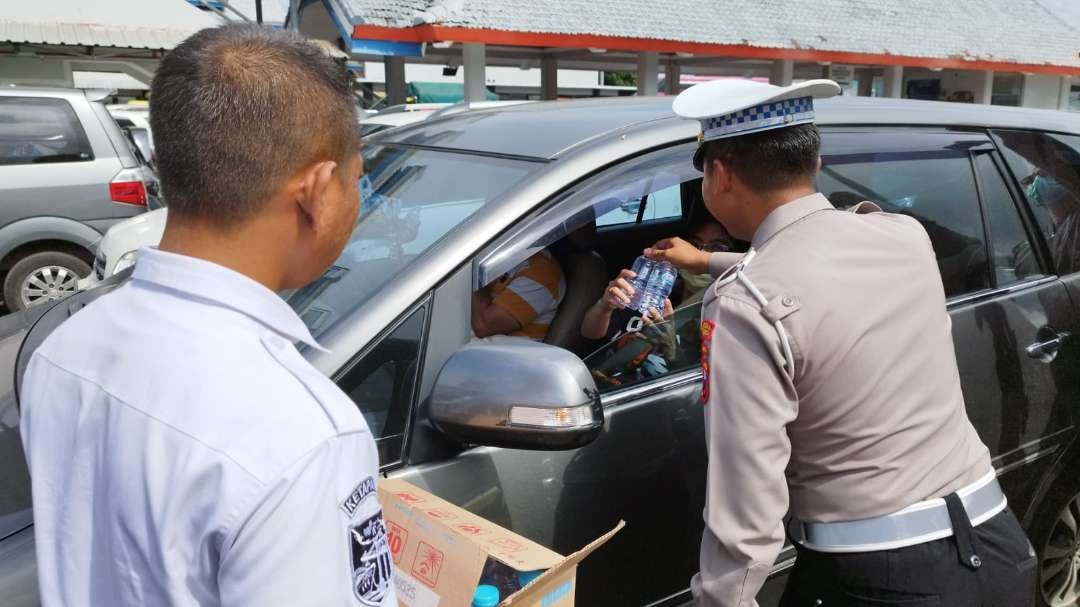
{"type": "Point", "coordinates": [485, 596]}
{"type": "Point", "coordinates": [661, 282]}
{"type": "Point", "coordinates": [643, 267]}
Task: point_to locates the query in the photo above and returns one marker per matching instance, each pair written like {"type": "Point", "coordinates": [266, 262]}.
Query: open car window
{"type": "Point", "coordinates": [654, 351]}
{"type": "Point", "coordinates": [655, 178]}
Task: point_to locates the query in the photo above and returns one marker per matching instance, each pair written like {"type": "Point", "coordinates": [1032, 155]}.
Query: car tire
{"type": "Point", "coordinates": [1056, 537]}
{"type": "Point", "coordinates": [42, 277]}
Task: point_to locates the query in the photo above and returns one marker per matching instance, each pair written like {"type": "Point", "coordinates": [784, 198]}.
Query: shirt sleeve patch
{"type": "Point", "coordinates": [707, 328]}
{"type": "Point", "coordinates": [371, 567]}
{"type": "Point", "coordinates": [364, 490]}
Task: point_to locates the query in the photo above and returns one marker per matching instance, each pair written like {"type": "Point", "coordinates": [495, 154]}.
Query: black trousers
{"type": "Point", "coordinates": [992, 565]}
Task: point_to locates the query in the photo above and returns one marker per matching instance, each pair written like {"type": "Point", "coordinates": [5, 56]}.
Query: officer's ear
{"type": "Point", "coordinates": [818, 168]}
{"type": "Point", "coordinates": [311, 185]}
{"type": "Point", "coordinates": [722, 176]}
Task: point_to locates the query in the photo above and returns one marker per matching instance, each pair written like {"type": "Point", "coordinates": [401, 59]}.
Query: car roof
{"type": "Point", "coordinates": [552, 129]}
{"type": "Point", "coordinates": [50, 91]}
{"type": "Point", "coordinates": [397, 118]}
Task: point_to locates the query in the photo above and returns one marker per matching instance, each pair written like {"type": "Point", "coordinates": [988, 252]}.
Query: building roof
{"type": "Point", "coordinates": [136, 24]}
{"type": "Point", "coordinates": [952, 33]}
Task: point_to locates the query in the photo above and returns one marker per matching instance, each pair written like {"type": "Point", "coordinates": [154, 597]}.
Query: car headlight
{"type": "Point", "coordinates": [126, 261]}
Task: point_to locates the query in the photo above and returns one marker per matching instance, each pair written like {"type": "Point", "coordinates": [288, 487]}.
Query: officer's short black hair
{"type": "Point", "coordinates": [770, 160]}
{"type": "Point", "coordinates": [236, 110]}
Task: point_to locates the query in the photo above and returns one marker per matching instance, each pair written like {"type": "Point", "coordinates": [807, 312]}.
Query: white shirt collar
{"type": "Point", "coordinates": [221, 286]}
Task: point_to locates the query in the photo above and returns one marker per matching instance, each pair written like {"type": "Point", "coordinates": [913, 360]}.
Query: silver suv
{"type": "Point", "coordinates": [67, 173]}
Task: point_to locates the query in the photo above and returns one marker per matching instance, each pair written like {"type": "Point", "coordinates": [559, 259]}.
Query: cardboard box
{"type": "Point", "coordinates": [440, 550]}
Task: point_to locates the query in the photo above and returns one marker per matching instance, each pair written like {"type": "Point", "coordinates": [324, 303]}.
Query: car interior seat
{"type": "Point", "coordinates": [586, 277]}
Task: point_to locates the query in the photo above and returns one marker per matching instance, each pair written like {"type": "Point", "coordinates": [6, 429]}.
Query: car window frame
{"type": "Point", "coordinates": [392, 449]}
{"type": "Point", "coordinates": [536, 224]}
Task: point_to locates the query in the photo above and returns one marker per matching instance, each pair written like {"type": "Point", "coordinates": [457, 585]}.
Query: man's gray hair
{"type": "Point", "coordinates": [236, 110]}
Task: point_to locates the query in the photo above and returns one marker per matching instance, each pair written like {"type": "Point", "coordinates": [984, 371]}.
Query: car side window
{"type": "Point", "coordinates": [649, 352]}
{"type": "Point", "coordinates": [935, 186]}
{"type": "Point", "coordinates": [1012, 255]}
{"type": "Point", "coordinates": [1047, 166]}
{"type": "Point", "coordinates": [661, 204]}
{"type": "Point", "coordinates": [37, 130]}
{"type": "Point", "coordinates": [382, 383]}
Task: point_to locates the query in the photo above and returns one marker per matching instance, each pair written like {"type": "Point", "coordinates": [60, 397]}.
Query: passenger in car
{"type": "Point", "coordinates": [1062, 206]}
{"type": "Point", "coordinates": [523, 303]}
{"type": "Point", "coordinates": [608, 316]}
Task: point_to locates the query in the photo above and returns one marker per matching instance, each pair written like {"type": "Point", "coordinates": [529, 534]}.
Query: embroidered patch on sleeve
{"type": "Point", "coordinates": [371, 567]}
{"type": "Point", "coordinates": [707, 328]}
{"type": "Point", "coordinates": [364, 490]}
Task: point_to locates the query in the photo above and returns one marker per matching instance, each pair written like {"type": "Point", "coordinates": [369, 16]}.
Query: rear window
{"type": "Point", "coordinates": [36, 130]}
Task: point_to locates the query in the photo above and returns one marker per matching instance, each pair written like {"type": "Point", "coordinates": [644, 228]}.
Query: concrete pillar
{"type": "Point", "coordinates": [648, 73]}
{"type": "Point", "coordinates": [395, 80]}
{"type": "Point", "coordinates": [474, 58]}
{"type": "Point", "coordinates": [549, 77]}
{"type": "Point", "coordinates": [866, 82]}
{"type": "Point", "coordinates": [1066, 89]}
{"type": "Point", "coordinates": [894, 81]}
{"type": "Point", "coordinates": [1041, 91]}
{"type": "Point", "coordinates": [672, 76]}
{"type": "Point", "coordinates": [294, 15]}
{"type": "Point", "coordinates": [782, 72]}
{"type": "Point", "coordinates": [984, 87]}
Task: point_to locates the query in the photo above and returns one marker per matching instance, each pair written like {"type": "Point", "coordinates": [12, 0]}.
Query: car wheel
{"type": "Point", "coordinates": [43, 277]}
{"type": "Point", "coordinates": [1056, 534]}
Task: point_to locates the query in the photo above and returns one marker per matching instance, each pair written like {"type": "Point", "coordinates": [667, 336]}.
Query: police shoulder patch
{"type": "Point", "coordinates": [365, 489]}
{"type": "Point", "coordinates": [371, 563]}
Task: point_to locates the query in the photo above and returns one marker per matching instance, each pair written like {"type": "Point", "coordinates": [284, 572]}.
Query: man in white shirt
{"type": "Point", "coordinates": [182, 451]}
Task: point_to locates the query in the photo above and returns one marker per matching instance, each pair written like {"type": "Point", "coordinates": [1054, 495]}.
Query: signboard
{"type": "Point", "coordinates": [842, 74]}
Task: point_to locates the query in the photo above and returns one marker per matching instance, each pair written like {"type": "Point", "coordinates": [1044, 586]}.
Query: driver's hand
{"type": "Point", "coordinates": [681, 254]}
{"type": "Point", "coordinates": [656, 316]}
{"type": "Point", "coordinates": [618, 292]}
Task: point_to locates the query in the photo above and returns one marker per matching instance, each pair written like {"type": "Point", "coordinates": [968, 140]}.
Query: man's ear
{"type": "Point", "coordinates": [312, 184]}
{"type": "Point", "coordinates": [721, 175]}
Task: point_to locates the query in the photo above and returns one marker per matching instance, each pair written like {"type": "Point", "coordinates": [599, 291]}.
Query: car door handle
{"type": "Point", "coordinates": [1046, 351]}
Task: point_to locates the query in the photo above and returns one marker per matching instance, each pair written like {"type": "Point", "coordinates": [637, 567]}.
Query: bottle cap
{"type": "Point", "coordinates": [485, 596]}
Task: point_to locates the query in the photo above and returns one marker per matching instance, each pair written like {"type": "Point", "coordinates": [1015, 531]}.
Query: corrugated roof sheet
{"type": "Point", "coordinates": [141, 24]}
{"type": "Point", "coordinates": [1013, 31]}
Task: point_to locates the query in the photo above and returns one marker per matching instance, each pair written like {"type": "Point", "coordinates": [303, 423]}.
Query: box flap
{"type": "Point", "coordinates": [512, 549]}
{"type": "Point", "coordinates": [538, 587]}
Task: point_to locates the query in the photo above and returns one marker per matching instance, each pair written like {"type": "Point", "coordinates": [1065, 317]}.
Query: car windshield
{"type": "Point", "coordinates": [409, 200]}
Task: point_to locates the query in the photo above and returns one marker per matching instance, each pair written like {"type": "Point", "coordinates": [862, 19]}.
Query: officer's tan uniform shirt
{"type": "Point", "coordinates": [874, 418]}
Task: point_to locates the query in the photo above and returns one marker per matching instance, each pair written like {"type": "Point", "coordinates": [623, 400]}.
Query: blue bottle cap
{"type": "Point", "coordinates": [486, 596]}
{"type": "Point", "coordinates": [526, 577]}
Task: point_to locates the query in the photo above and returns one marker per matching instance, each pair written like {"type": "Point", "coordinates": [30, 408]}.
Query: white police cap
{"type": "Point", "coordinates": [732, 107]}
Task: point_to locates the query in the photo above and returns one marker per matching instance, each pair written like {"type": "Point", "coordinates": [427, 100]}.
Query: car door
{"type": "Point", "coordinates": [648, 465]}
{"type": "Point", "coordinates": [1001, 298]}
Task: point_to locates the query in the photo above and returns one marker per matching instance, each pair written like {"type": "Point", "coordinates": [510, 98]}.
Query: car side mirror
{"type": "Point", "coordinates": [519, 394]}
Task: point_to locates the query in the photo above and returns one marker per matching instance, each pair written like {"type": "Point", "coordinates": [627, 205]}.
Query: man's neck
{"type": "Point", "coordinates": [760, 206]}
{"type": "Point", "coordinates": [234, 249]}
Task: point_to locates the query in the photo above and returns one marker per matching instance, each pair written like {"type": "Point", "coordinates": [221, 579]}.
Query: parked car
{"type": "Point", "coordinates": [67, 173]}
{"type": "Point", "coordinates": [558, 441]}
{"type": "Point", "coordinates": [116, 251]}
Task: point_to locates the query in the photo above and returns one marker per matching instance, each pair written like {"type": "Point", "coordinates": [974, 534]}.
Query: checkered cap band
{"type": "Point", "coordinates": [788, 112]}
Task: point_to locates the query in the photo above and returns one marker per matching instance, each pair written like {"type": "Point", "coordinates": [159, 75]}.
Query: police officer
{"type": "Point", "coordinates": [831, 386]}
{"type": "Point", "coordinates": [182, 451]}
